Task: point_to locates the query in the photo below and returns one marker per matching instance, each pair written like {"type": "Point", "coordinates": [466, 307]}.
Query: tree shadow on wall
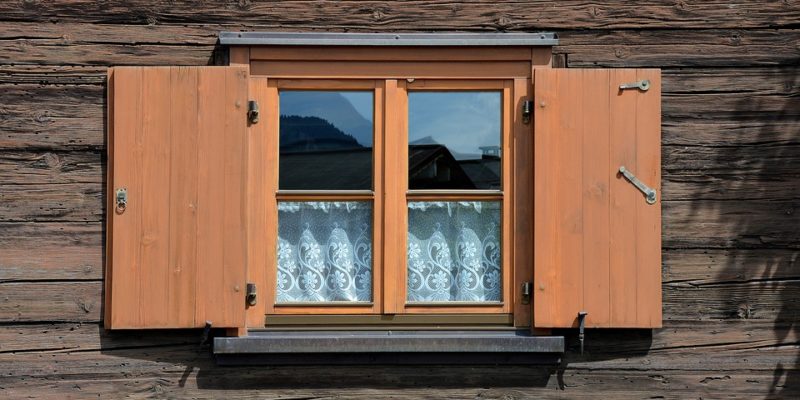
{"type": "Point", "coordinates": [747, 192]}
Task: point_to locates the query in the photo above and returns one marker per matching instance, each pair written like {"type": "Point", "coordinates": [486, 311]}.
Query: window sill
{"type": "Point", "coordinates": [389, 347]}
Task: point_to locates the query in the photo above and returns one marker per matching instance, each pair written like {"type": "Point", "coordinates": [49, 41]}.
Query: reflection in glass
{"type": "Point", "coordinates": [454, 140]}
{"type": "Point", "coordinates": [454, 251]}
{"type": "Point", "coordinates": [324, 251]}
{"type": "Point", "coordinates": [326, 140]}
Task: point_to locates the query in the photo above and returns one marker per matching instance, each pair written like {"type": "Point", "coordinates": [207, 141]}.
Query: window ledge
{"type": "Point", "coordinates": [388, 346]}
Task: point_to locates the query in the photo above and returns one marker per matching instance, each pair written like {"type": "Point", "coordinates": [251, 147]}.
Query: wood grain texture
{"type": "Point", "coordinates": [729, 154]}
{"type": "Point", "coordinates": [433, 14]}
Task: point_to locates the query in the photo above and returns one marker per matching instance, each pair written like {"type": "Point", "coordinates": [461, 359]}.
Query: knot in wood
{"type": "Point", "coordinates": [42, 117]}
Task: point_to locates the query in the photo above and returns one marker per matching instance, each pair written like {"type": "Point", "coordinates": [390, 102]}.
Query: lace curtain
{"type": "Point", "coordinates": [324, 251]}
{"type": "Point", "coordinates": [454, 251]}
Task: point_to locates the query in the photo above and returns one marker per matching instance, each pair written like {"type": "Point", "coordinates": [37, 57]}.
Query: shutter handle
{"type": "Point", "coordinates": [649, 193]}
{"type": "Point", "coordinates": [121, 200]}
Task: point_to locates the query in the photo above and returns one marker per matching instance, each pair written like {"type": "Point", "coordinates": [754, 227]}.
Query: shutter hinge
{"type": "Point", "coordinates": [251, 297]}
{"type": "Point", "coordinates": [252, 111]}
{"type": "Point", "coordinates": [527, 287]}
{"type": "Point", "coordinates": [527, 107]}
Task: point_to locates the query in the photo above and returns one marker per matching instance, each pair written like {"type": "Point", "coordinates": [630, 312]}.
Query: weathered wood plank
{"type": "Point", "coordinates": [667, 48]}
{"type": "Point", "coordinates": [57, 251]}
{"type": "Point", "coordinates": [772, 301]}
{"type": "Point", "coordinates": [722, 334]}
{"type": "Point", "coordinates": [711, 266]}
{"type": "Point", "coordinates": [725, 224]}
{"type": "Point", "coordinates": [570, 383]}
{"type": "Point", "coordinates": [73, 44]}
{"type": "Point", "coordinates": [33, 52]}
{"type": "Point", "coordinates": [29, 168]}
{"type": "Point", "coordinates": [51, 301]}
{"type": "Point", "coordinates": [51, 116]}
{"type": "Point", "coordinates": [53, 202]}
{"type": "Point", "coordinates": [53, 337]}
{"type": "Point", "coordinates": [422, 14]}
{"type": "Point", "coordinates": [729, 132]}
{"type": "Point", "coordinates": [52, 75]}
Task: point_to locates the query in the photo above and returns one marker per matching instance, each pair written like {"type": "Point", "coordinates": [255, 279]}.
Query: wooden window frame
{"type": "Point", "coordinates": [302, 67]}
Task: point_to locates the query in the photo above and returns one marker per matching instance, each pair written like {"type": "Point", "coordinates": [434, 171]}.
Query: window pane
{"type": "Point", "coordinates": [324, 251]}
{"type": "Point", "coordinates": [326, 140]}
{"type": "Point", "coordinates": [454, 251]}
{"type": "Point", "coordinates": [454, 140]}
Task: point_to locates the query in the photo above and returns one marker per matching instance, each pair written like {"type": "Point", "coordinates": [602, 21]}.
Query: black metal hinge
{"type": "Point", "coordinates": [251, 297]}
{"type": "Point", "coordinates": [252, 111]}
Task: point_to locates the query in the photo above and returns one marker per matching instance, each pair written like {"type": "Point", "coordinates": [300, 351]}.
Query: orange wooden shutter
{"type": "Point", "coordinates": [597, 241]}
{"type": "Point", "coordinates": [177, 144]}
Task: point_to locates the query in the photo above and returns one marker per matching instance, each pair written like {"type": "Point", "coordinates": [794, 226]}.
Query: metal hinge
{"type": "Point", "coordinates": [251, 296]}
{"type": "Point", "coordinates": [527, 287]}
{"type": "Point", "coordinates": [527, 109]}
{"type": "Point", "coordinates": [252, 111]}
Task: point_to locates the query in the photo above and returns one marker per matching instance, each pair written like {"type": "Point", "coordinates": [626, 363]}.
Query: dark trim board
{"type": "Point", "coordinates": [386, 39]}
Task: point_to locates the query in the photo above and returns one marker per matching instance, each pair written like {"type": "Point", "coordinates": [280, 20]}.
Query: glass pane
{"type": "Point", "coordinates": [326, 140]}
{"type": "Point", "coordinates": [324, 251]}
{"type": "Point", "coordinates": [454, 251]}
{"type": "Point", "coordinates": [454, 140]}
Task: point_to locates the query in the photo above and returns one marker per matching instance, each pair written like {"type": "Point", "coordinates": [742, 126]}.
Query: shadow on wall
{"type": "Point", "coordinates": [753, 196]}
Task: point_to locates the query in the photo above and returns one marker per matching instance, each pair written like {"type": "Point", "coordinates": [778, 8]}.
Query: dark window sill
{"type": "Point", "coordinates": [388, 347]}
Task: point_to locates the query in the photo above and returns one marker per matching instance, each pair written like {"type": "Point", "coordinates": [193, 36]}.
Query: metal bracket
{"type": "Point", "coordinates": [251, 294]}
{"type": "Point", "coordinates": [121, 199]}
{"type": "Point", "coordinates": [527, 107]}
{"type": "Point", "coordinates": [581, 327]}
{"type": "Point", "coordinates": [649, 193]}
{"type": "Point", "coordinates": [206, 333]}
{"type": "Point", "coordinates": [642, 85]}
{"type": "Point", "coordinates": [252, 111]}
{"type": "Point", "coordinates": [527, 287]}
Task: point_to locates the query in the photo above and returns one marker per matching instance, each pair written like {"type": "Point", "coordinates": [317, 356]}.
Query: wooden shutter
{"type": "Point", "coordinates": [177, 144]}
{"type": "Point", "coordinates": [597, 241]}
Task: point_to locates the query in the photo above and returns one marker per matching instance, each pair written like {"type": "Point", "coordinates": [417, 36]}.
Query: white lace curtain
{"type": "Point", "coordinates": [454, 251]}
{"type": "Point", "coordinates": [324, 251]}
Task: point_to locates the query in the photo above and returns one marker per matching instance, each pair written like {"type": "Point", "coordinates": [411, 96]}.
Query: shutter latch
{"type": "Point", "coordinates": [581, 326]}
{"type": "Point", "coordinates": [252, 111]}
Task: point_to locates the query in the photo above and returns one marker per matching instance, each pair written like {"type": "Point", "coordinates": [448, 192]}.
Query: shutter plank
{"type": "Point", "coordinates": [211, 201]}
{"type": "Point", "coordinates": [235, 223]}
{"type": "Point", "coordinates": [624, 198]}
{"type": "Point", "coordinates": [594, 115]}
{"type": "Point", "coordinates": [127, 117]}
{"type": "Point", "coordinates": [648, 217]}
{"type": "Point", "coordinates": [155, 161]}
{"type": "Point", "coordinates": [597, 243]}
{"type": "Point", "coordinates": [183, 197]}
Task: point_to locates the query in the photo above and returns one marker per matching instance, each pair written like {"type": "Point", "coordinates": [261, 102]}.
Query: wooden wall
{"type": "Point", "coordinates": [731, 169]}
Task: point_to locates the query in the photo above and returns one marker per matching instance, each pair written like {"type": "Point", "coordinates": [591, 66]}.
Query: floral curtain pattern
{"type": "Point", "coordinates": [324, 252]}
{"type": "Point", "coordinates": [454, 251]}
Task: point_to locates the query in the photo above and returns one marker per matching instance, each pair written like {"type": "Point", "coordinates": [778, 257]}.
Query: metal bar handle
{"type": "Point", "coordinates": [649, 193]}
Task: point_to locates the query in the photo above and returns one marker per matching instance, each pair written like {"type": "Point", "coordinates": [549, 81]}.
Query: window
{"type": "Point", "coordinates": [414, 182]}
{"type": "Point", "coordinates": [421, 158]}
